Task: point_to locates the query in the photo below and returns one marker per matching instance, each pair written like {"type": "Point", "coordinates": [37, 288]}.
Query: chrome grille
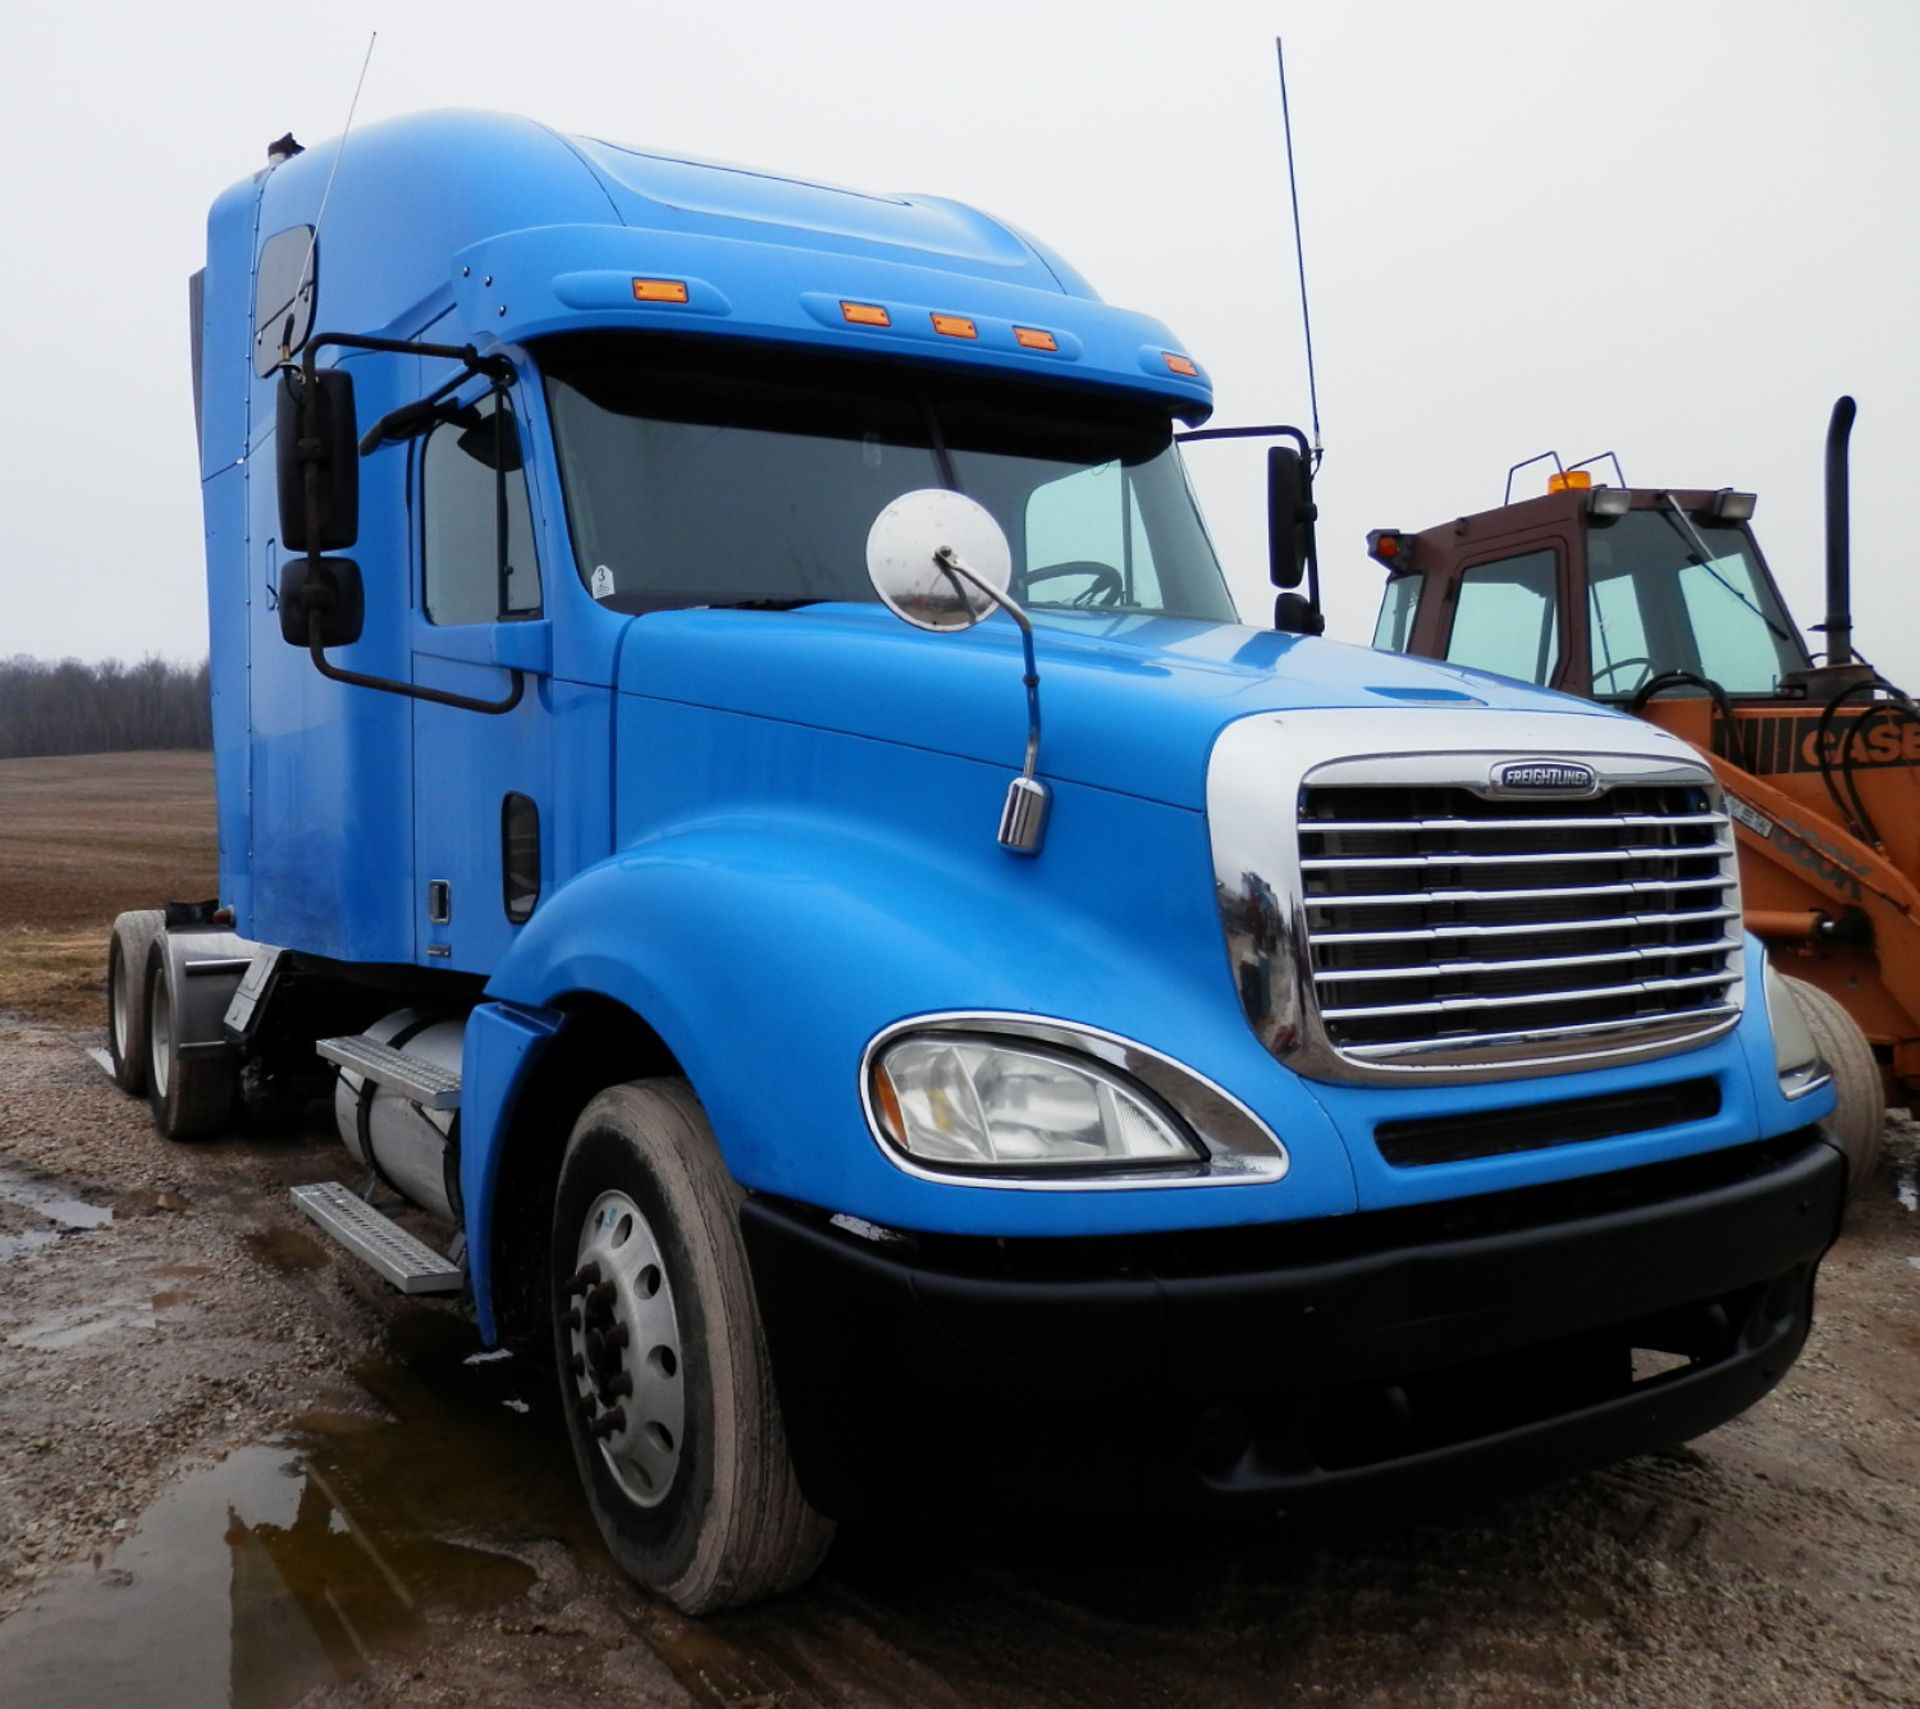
{"type": "Point", "coordinates": [1444, 922]}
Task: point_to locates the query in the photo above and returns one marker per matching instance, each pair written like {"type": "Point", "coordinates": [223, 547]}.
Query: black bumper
{"type": "Point", "coordinates": [1375, 1361]}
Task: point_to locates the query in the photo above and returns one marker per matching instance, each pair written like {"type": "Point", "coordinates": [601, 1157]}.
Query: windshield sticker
{"type": "Point", "coordinates": [602, 583]}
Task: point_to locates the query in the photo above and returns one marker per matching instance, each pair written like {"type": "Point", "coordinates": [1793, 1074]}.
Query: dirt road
{"type": "Point", "coordinates": [234, 1469]}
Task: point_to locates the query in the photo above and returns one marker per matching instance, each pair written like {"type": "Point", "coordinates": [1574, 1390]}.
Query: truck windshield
{"type": "Point", "coordinates": [703, 475]}
{"type": "Point", "coordinates": [1654, 606]}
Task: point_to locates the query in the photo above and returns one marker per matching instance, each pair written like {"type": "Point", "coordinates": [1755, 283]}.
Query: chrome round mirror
{"type": "Point", "coordinates": [901, 562]}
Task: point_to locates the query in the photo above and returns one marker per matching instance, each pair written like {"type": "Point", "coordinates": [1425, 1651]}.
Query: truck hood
{"type": "Point", "coordinates": [1126, 703]}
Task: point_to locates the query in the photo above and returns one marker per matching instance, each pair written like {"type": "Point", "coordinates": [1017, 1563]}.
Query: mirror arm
{"type": "Point", "coordinates": [500, 370]}
{"type": "Point", "coordinates": [1023, 815]}
{"type": "Point", "coordinates": [389, 685]}
{"type": "Point", "coordinates": [949, 560]}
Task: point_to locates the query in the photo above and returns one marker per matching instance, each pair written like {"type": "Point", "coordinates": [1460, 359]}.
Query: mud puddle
{"type": "Point", "coordinates": [36, 1210]}
{"type": "Point", "coordinates": [305, 1561]}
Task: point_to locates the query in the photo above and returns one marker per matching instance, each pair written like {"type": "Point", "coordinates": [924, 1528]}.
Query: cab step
{"type": "Point", "coordinates": [410, 1265]}
{"type": "Point", "coordinates": [429, 1086]}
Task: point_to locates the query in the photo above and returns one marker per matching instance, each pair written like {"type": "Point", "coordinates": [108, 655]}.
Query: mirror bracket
{"type": "Point", "coordinates": [1292, 554]}
{"type": "Point", "coordinates": [1023, 816]}
{"type": "Point", "coordinates": [938, 590]}
{"type": "Point", "coordinates": [328, 591]}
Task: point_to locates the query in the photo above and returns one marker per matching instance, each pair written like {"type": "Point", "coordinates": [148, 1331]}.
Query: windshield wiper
{"type": "Point", "coordinates": [1708, 563]}
{"type": "Point", "coordinates": [758, 604]}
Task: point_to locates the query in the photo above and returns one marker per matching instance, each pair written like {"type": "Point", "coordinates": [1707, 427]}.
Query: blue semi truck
{"type": "Point", "coordinates": [740, 775]}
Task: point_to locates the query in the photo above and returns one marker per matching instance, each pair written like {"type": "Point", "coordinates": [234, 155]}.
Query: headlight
{"type": "Point", "coordinates": [1796, 1058]}
{"type": "Point", "coordinates": [966, 1104]}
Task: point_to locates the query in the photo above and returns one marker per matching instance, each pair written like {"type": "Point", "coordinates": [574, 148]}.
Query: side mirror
{"type": "Point", "coordinates": [902, 562]}
{"type": "Point", "coordinates": [1295, 614]}
{"type": "Point", "coordinates": [940, 561]}
{"type": "Point", "coordinates": [329, 586]}
{"type": "Point", "coordinates": [314, 429]}
{"type": "Point", "coordinates": [1291, 514]}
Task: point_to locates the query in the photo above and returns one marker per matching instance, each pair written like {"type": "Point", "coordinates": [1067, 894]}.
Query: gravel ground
{"type": "Point", "coordinates": [233, 1468]}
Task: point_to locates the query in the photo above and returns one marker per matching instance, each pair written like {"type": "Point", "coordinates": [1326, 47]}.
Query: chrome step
{"type": "Point", "coordinates": [429, 1086]}
{"type": "Point", "coordinates": [410, 1265]}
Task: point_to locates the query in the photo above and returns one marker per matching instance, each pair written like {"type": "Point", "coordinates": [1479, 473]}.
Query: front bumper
{"type": "Point", "coordinates": [1372, 1361]}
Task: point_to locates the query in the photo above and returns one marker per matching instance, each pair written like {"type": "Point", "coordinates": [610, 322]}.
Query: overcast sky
{"type": "Point", "coordinates": [1674, 230]}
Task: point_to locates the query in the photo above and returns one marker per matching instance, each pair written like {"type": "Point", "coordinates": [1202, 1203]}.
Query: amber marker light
{"type": "Point", "coordinates": [1181, 364]}
{"type": "Point", "coordinates": [1573, 481]}
{"type": "Point", "coordinates": [1034, 338]}
{"type": "Point", "coordinates": [886, 1102]}
{"type": "Point", "coordinates": [865, 314]}
{"type": "Point", "coordinates": [1386, 546]}
{"type": "Point", "coordinates": [659, 291]}
{"type": "Point", "coordinates": [954, 326]}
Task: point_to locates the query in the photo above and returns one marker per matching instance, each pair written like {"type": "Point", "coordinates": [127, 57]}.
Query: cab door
{"type": "Point", "coordinates": [482, 780]}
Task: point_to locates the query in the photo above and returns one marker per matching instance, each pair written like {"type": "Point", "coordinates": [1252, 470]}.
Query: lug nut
{"type": "Point", "coordinates": [608, 1422]}
{"type": "Point", "coordinates": [616, 1386]}
{"type": "Point", "coordinates": [583, 1278]}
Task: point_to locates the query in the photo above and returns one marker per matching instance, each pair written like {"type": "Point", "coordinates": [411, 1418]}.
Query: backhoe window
{"type": "Point", "coordinates": [1658, 602]}
{"type": "Point", "coordinates": [1507, 618]}
{"type": "Point", "coordinates": [1397, 606]}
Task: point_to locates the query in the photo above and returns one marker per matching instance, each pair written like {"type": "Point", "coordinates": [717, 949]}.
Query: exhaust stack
{"type": "Point", "coordinates": [1839, 624]}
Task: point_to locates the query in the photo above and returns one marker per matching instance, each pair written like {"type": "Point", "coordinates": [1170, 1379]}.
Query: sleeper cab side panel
{"type": "Point", "coordinates": [332, 775]}
{"type": "Point", "coordinates": [224, 383]}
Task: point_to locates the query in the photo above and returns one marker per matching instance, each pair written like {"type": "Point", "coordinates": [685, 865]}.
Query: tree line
{"type": "Point", "coordinates": [67, 707]}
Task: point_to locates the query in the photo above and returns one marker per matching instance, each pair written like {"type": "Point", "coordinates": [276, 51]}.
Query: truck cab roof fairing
{"type": "Point", "coordinates": [534, 232]}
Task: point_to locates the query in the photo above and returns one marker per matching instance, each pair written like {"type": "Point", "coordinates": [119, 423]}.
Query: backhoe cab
{"type": "Point", "coordinates": [1659, 600]}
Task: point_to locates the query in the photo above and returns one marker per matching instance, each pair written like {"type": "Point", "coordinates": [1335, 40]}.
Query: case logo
{"type": "Point", "coordinates": [1545, 777]}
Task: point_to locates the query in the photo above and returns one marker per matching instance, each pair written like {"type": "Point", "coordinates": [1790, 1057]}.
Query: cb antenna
{"type": "Point", "coordinates": [326, 193]}
{"type": "Point", "coordinates": [1299, 253]}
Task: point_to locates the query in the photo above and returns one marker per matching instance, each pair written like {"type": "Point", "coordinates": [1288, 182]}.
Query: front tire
{"type": "Point", "coordinates": [191, 1093]}
{"type": "Point", "coordinates": [664, 1375]}
{"type": "Point", "coordinates": [1858, 1124]}
{"type": "Point", "coordinates": [133, 935]}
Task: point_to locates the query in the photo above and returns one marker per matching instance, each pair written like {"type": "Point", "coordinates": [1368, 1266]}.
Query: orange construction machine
{"type": "Point", "coordinates": [1658, 600]}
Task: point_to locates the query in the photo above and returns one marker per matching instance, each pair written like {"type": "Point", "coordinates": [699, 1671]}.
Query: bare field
{"type": "Point", "coordinates": [81, 838]}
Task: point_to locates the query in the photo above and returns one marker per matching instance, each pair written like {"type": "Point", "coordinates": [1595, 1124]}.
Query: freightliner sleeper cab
{"type": "Point", "coordinates": [1067, 1050]}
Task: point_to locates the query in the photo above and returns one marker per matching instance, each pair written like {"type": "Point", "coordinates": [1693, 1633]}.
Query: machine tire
{"type": "Point", "coordinates": [1858, 1124]}
{"type": "Point", "coordinates": [715, 1518]}
{"type": "Point", "coordinates": [190, 1095]}
{"type": "Point", "coordinates": [133, 935]}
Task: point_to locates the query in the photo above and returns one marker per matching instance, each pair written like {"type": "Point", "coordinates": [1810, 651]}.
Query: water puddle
{"type": "Point", "coordinates": [48, 1208]}
{"type": "Point", "coordinates": [299, 1564]}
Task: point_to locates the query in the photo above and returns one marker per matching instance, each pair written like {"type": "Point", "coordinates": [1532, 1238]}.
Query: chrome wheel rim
{"type": "Point", "coordinates": [624, 1350]}
{"type": "Point", "coordinates": [160, 1037]}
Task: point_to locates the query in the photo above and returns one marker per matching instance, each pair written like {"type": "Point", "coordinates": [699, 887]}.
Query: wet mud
{"type": "Point", "coordinates": [236, 1470]}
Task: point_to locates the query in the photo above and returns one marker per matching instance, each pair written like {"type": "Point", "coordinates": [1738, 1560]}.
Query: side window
{"type": "Point", "coordinates": [1079, 526]}
{"type": "Point", "coordinates": [1397, 606]}
{"type": "Point", "coordinates": [1616, 633]}
{"type": "Point", "coordinates": [459, 507]}
{"type": "Point", "coordinates": [1507, 618]}
{"type": "Point", "coordinates": [283, 288]}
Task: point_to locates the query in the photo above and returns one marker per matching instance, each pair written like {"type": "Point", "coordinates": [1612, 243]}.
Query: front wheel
{"type": "Point", "coordinates": [1858, 1124]}
{"type": "Point", "coordinates": [664, 1374]}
